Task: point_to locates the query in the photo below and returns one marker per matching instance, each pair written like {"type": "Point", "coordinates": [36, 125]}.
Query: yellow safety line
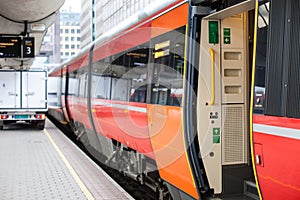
{"type": "Point", "coordinates": [82, 186]}
{"type": "Point", "coordinates": [251, 100]}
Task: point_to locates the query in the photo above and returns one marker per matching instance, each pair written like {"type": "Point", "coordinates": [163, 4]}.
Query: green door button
{"type": "Point", "coordinates": [213, 28]}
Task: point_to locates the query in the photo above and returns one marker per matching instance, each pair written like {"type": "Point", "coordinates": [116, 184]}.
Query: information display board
{"type": "Point", "coordinates": [16, 47]}
{"type": "Point", "coordinates": [10, 47]}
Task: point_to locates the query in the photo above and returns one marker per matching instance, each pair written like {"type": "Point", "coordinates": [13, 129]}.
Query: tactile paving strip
{"type": "Point", "coordinates": [31, 168]}
{"type": "Point", "coordinates": [96, 180]}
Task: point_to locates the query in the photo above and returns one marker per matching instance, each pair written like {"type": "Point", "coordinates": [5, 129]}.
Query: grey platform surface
{"type": "Point", "coordinates": [37, 164]}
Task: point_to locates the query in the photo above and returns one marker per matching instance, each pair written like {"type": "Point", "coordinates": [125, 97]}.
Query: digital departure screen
{"type": "Point", "coordinates": [10, 47]}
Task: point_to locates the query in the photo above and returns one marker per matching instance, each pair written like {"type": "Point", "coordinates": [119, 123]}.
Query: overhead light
{"type": "Point", "coordinates": [38, 27]}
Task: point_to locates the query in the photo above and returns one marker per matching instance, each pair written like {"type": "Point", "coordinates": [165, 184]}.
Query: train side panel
{"type": "Point", "coordinates": [165, 127]}
{"type": "Point", "coordinates": [276, 143]}
{"type": "Point", "coordinates": [276, 100]}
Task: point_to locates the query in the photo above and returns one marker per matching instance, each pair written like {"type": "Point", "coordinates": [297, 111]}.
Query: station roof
{"type": "Point", "coordinates": [31, 18]}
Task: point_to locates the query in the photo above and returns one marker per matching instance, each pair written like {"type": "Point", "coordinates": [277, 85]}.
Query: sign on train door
{"type": "Point", "coordinates": [34, 90]}
{"type": "Point", "coordinates": [10, 90]}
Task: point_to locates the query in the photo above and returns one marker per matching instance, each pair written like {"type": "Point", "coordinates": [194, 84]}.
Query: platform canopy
{"type": "Point", "coordinates": [26, 18]}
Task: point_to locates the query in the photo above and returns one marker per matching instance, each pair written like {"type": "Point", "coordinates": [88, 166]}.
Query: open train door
{"type": "Point", "coordinates": [223, 98]}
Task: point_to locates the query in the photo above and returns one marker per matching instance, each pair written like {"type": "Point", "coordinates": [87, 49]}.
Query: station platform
{"type": "Point", "coordinates": [45, 164]}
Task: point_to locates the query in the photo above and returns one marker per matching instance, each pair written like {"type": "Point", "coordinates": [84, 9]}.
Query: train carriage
{"type": "Point", "coordinates": [276, 100]}
{"type": "Point", "coordinates": [193, 98]}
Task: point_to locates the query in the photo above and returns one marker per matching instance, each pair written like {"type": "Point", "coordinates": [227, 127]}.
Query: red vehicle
{"type": "Point", "coordinates": [168, 98]}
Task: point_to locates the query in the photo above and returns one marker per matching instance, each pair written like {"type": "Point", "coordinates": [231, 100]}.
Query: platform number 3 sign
{"type": "Point", "coordinates": [28, 47]}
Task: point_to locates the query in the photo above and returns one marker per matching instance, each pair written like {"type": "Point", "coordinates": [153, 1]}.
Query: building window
{"type": "Point", "coordinates": [67, 54]}
{"type": "Point", "coordinates": [72, 30]}
{"type": "Point", "coordinates": [67, 46]}
{"type": "Point", "coordinates": [66, 30]}
{"type": "Point", "coordinates": [73, 39]}
{"type": "Point", "coordinates": [66, 38]}
{"type": "Point", "coordinates": [72, 46]}
{"type": "Point", "coordinates": [78, 31]}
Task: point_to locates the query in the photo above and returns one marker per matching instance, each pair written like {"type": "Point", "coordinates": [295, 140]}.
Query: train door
{"type": "Point", "coordinates": [223, 98]}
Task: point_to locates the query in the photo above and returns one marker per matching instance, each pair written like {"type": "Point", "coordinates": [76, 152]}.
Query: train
{"type": "Point", "coordinates": [196, 99]}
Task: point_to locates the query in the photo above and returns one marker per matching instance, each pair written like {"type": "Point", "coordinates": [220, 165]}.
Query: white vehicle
{"type": "Point", "coordinates": [23, 97]}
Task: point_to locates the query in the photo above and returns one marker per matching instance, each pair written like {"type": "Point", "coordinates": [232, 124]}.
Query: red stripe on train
{"type": "Point", "coordinates": [279, 168]}
{"type": "Point", "coordinates": [277, 121]}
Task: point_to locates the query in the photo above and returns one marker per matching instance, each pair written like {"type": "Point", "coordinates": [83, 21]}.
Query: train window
{"type": "Point", "coordinates": [120, 88]}
{"type": "Point", "coordinates": [167, 72]}
{"type": "Point", "coordinates": [160, 94]}
{"type": "Point", "coordinates": [131, 78]}
{"type": "Point", "coordinates": [261, 59]}
{"type": "Point", "coordinates": [101, 86]}
{"type": "Point", "coordinates": [73, 83]}
{"type": "Point", "coordinates": [63, 86]}
{"type": "Point", "coordinates": [82, 85]}
{"type": "Point", "coordinates": [101, 79]}
{"type": "Point", "coordinates": [138, 93]}
{"type": "Point", "coordinates": [123, 76]}
{"type": "Point", "coordinates": [82, 76]}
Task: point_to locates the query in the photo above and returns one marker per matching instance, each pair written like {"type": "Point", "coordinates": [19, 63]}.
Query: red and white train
{"type": "Point", "coordinates": [196, 99]}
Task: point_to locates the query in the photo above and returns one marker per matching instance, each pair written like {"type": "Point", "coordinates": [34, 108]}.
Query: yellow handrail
{"type": "Point", "coordinates": [212, 59]}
